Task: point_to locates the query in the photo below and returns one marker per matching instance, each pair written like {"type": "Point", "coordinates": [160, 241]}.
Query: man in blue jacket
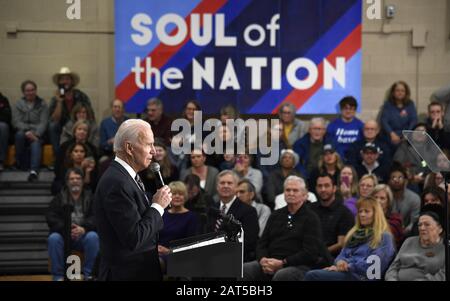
{"type": "Point", "coordinates": [309, 147]}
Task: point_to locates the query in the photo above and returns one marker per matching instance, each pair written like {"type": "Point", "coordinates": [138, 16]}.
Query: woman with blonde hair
{"type": "Point", "coordinates": [383, 194]}
{"type": "Point", "coordinates": [79, 112]}
{"type": "Point", "coordinates": [368, 242]}
{"type": "Point", "coordinates": [179, 222]}
{"type": "Point", "coordinates": [366, 185]}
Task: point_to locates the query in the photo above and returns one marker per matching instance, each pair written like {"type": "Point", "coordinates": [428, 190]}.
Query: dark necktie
{"type": "Point", "coordinates": [219, 219]}
{"type": "Point", "coordinates": [140, 183]}
{"type": "Point", "coordinates": [142, 187]}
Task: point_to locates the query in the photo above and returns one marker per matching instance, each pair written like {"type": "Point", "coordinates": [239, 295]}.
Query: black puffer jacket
{"type": "Point", "coordinates": [55, 215]}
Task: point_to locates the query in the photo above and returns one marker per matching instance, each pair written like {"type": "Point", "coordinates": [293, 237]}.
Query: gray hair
{"type": "Point", "coordinates": [296, 179]}
{"type": "Point", "coordinates": [289, 105]}
{"type": "Point", "coordinates": [129, 131]}
{"type": "Point", "coordinates": [317, 120]}
{"type": "Point", "coordinates": [387, 189]}
{"type": "Point", "coordinates": [155, 101]}
{"type": "Point", "coordinates": [227, 172]}
{"type": "Point", "coordinates": [75, 170]}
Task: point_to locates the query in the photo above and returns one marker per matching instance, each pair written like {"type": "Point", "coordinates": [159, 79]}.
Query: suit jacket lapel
{"type": "Point", "coordinates": [142, 196]}
{"type": "Point", "coordinates": [234, 207]}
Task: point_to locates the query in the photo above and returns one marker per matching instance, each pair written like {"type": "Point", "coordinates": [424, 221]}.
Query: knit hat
{"type": "Point", "coordinates": [435, 211]}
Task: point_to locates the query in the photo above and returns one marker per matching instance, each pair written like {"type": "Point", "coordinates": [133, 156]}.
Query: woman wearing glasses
{"type": "Point", "coordinates": [368, 248]}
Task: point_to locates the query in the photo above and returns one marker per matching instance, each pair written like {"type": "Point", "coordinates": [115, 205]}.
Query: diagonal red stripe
{"type": "Point", "coordinates": [347, 49]}
{"type": "Point", "coordinates": [162, 53]}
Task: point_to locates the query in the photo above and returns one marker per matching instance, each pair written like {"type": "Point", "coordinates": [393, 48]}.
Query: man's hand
{"type": "Point", "coordinates": [77, 232]}
{"type": "Point", "coordinates": [163, 250]}
{"type": "Point", "coordinates": [437, 123]}
{"type": "Point", "coordinates": [31, 136]}
{"type": "Point", "coordinates": [163, 196]}
{"type": "Point", "coordinates": [270, 265]}
{"type": "Point", "coordinates": [264, 263]}
{"type": "Point", "coordinates": [275, 264]}
{"type": "Point", "coordinates": [88, 165]}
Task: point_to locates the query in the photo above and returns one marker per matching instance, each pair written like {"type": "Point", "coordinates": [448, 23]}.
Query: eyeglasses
{"type": "Point", "coordinates": [399, 178]}
{"type": "Point", "coordinates": [290, 225]}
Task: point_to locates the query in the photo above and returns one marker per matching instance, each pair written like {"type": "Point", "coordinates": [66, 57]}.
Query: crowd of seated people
{"type": "Point", "coordinates": [342, 167]}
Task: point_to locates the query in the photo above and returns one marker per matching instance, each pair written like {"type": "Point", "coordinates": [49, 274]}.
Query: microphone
{"type": "Point", "coordinates": [230, 224]}
{"type": "Point", "coordinates": [156, 169]}
{"type": "Point", "coordinates": [227, 218]}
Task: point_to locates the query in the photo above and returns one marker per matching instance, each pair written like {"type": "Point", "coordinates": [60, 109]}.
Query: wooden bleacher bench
{"type": "Point", "coordinates": [47, 155]}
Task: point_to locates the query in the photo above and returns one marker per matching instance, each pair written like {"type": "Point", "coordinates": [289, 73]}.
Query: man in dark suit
{"type": "Point", "coordinates": [128, 222]}
{"type": "Point", "coordinates": [228, 204]}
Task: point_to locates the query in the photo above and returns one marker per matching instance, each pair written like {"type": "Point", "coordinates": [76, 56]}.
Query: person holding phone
{"type": "Point", "coordinates": [90, 172]}
{"type": "Point", "coordinates": [348, 187]}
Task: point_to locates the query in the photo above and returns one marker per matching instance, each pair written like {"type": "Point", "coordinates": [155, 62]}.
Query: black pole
{"type": "Point", "coordinates": [446, 176]}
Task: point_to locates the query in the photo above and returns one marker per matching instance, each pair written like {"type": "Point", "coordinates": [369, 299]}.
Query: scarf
{"type": "Point", "coordinates": [360, 237]}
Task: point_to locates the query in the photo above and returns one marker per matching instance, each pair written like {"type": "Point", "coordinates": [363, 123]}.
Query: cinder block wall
{"type": "Point", "coordinates": [46, 40]}
{"type": "Point", "coordinates": [389, 54]}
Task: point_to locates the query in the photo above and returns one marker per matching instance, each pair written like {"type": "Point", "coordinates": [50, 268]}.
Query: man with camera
{"type": "Point", "coordinates": [61, 105]}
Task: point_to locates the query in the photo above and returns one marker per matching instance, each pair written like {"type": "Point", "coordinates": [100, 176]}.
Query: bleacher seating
{"type": "Point", "coordinates": [23, 229]}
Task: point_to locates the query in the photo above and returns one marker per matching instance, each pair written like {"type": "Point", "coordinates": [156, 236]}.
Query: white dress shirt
{"type": "Point", "coordinates": [227, 205]}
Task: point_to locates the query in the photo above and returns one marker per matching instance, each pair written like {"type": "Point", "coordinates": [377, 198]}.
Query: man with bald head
{"type": "Point", "coordinates": [109, 127]}
{"type": "Point", "coordinates": [371, 134]}
{"type": "Point", "coordinates": [128, 221]}
{"type": "Point", "coordinates": [309, 147]}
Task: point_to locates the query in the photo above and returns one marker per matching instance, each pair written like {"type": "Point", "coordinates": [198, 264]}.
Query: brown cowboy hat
{"type": "Point", "coordinates": [66, 71]}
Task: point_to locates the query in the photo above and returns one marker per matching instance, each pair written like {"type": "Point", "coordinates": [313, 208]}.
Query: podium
{"type": "Point", "coordinates": [206, 256]}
